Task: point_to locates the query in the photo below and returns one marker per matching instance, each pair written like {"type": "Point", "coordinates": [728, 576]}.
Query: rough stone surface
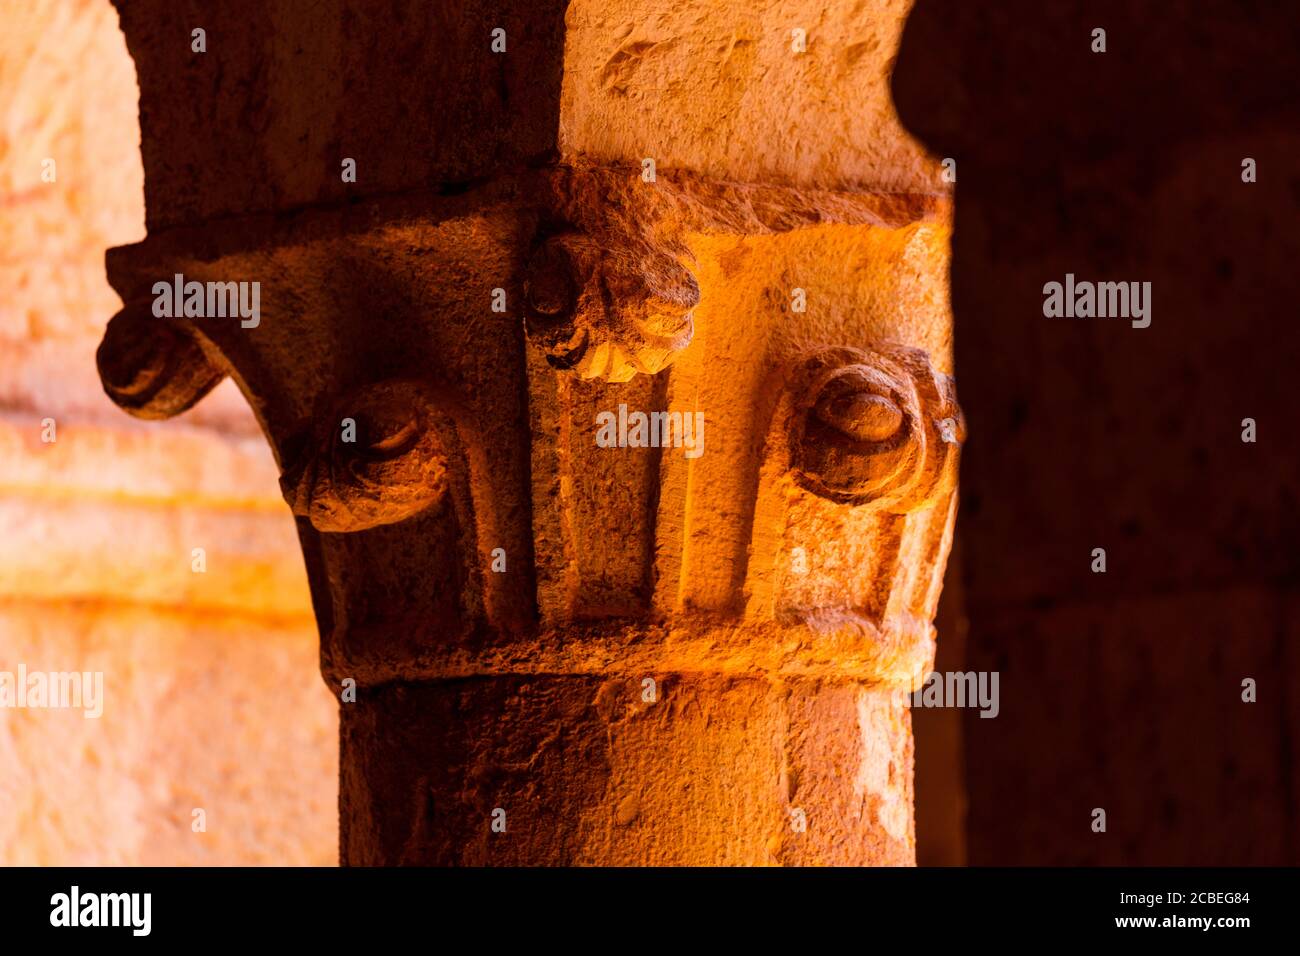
{"type": "Point", "coordinates": [283, 94]}
{"type": "Point", "coordinates": [679, 654]}
{"type": "Point", "coordinates": [192, 718]}
{"type": "Point", "coordinates": [589, 773]}
{"type": "Point", "coordinates": [97, 526]}
{"type": "Point", "coordinates": [720, 89]}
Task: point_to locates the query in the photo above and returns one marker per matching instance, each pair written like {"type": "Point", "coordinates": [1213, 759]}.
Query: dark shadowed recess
{"type": "Point", "coordinates": [1122, 691]}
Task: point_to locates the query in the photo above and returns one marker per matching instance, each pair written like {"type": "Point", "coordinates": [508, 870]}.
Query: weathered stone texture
{"type": "Point", "coordinates": [588, 773]}
{"type": "Point", "coordinates": [193, 718]}
{"type": "Point", "coordinates": [264, 119]}
{"type": "Point", "coordinates": [503, 586]}
{"type": "Point", "coordinates": [98, 526]}
{"type": "Point", "coordinates": [719, 89]}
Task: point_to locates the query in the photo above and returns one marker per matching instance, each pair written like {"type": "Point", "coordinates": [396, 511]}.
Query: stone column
{"type": "Point", "coordinates": [624, 483]}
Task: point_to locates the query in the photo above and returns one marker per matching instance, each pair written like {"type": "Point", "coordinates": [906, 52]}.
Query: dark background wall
{"type": "Point", "coordinates": [1123, 690]}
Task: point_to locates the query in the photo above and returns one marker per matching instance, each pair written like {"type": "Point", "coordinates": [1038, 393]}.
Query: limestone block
{"type": "Point", "coordinates": [729, 771]}
{"type": "Point", "coordinates": [732, 91]}
{"type": "Point", "coordinates": [412, 91]}
{"type": "Point", "coordinates": [194, 707]}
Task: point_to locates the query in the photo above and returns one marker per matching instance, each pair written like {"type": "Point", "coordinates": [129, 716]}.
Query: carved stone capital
{"type": "Point", "coordinates": [153, 368]}
{"type": "Point", "coordinates": [379, 457]}
{"type": "Point", "coordinates": [608, 311]}
{"type": "Point", "coordinates": [605, 483]}
{"type": "Point", "coordinates": [877, 428]}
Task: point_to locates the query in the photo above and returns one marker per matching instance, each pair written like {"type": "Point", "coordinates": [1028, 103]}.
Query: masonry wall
{"type": "Point", "coordinates": [212, 697]}
{"type": "Point", "coordinates": [1124, 690]}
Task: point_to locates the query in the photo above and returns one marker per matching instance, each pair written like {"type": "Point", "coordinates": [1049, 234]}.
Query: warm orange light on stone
{"type": "Point", "coordinates": [570, 647]}
{"type": "Point", "coordinates": [97, 526]}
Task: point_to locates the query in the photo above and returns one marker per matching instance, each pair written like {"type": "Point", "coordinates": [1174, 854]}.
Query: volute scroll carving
{"type": "Point", "coordinates": [877, 427]}
{"type": "Point", "coordinates": [379, 457]}
{"type": "Point", "coordinates": [153, 368]}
